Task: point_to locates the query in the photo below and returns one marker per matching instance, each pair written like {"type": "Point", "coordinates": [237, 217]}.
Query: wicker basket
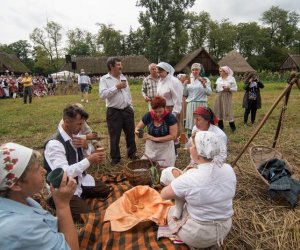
{"type": "Point", "coordinates": [138, 172]}
{"type": "Point", "coordinates": [261, 154]}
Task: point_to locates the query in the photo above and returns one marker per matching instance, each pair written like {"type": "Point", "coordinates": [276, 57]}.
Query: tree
{"type": "Point", "coordinates": [282, 31]}
{"type": "Point", "coordinates": [198, 26]}
{"type": "Point", "coordinates": [22, 49]}
{"type": "Point", "coordinates": [135, 42]}
{"type": "Point", "coordinates": [282, 25]}
{"type": "Point", "coordinates": [49, 38]}
{"type": "Point", "coordinates": [163, 24]}
{"type": "Point", "coordinates": [42, 63]}
{"type": "Point", "coordinates": [221, 38]}
{"type": "Point", "coordinates": [81, 43]}
{"type": "Point", "coordinates": [249, 39]}
{"type": "Point", "coordinates": [109, 40]}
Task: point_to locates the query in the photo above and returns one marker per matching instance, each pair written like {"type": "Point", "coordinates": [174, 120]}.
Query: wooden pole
{"type": "Point", "coordinates": [280, 121]}
{"type": "Point", "coordinates": [285, 91]}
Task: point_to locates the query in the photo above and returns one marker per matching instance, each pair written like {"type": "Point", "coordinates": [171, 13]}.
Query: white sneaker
{"type": "Point", "coordinates": [82, 100]}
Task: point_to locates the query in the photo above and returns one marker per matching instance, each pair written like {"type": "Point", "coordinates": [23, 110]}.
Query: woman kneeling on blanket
{"type": "Point", "coordinates": [208, 190]}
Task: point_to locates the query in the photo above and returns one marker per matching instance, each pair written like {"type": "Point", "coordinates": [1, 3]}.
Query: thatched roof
{"type": "Point", "coordinates": [291, 62]}
{"type": "Point", "coordinates": [132, 65]}
{"type": "Point", "coordinates": [11, 63]}
{"type": "Point", "coordinates": [197, 56]}
{"type": "Point", "coordinates": [236, 62]}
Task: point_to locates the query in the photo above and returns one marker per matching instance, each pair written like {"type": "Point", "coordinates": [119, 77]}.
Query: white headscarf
{"type": "Point", "coordinates": [227, 70]}
{"type": "Point", "coordinates": [166, 67]}
{"type": "Point", "coordinates": [207, 144]}
{"type": "Point", "coordinates": [14, 159]}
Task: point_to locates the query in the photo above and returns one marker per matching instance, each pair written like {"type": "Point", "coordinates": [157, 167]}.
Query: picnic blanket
{"type": "Point", "coordinates": [97, 234]}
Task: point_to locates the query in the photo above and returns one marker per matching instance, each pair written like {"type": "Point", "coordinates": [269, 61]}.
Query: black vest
{"type": "Point", "coordinates": [70, 152]}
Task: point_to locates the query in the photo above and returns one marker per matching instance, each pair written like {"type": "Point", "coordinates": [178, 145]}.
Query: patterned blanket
{"type": "Point", "coordinates": [97, 235]}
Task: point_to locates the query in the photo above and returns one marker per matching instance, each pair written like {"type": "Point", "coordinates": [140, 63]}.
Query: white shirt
{"type": "Point", "coordinates": [55, 155]}
{"type": "Point", "coordinates": [195, 91]}
{"type": "Point", "coordinates": [115, 98]}
{"type": "Point", "coordinates": [220, 158]}
{"type": "Point", "coordinates": [171, 89]}
{"type": "Point", "coordinates": [84, 79]}
{"type": "Point", "coordinates": [208, 191]}
{"type": "Point", "coordinates": [228, 82]}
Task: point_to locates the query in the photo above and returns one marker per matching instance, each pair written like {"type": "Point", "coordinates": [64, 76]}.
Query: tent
{"type": "Point", "coordinates": [64, 75]}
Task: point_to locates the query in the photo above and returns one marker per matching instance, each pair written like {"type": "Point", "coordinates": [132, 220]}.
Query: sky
{"type": "Point", "coordinates": [20, 17]}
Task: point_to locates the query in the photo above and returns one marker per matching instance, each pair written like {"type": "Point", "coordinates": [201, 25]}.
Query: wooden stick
{"type": "Point", "coordinates": [288, 88]}
{"type": "Point", "coordinates": [280, 121]}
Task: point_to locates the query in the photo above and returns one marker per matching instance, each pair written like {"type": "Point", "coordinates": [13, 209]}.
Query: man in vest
{"type": "Point", "coordinates": [67, 150]}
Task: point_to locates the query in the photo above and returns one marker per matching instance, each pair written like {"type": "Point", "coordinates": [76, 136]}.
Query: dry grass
{"type": "Point", "coordinates": [258, 221]}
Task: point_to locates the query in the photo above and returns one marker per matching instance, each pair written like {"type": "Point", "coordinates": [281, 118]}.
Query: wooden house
{"type": "Point", "coordinates": [132, 65]}
{"type": "Point", "coordinates": [236, 62]}
{"type": "Point", "coordinates": [200, 55]}
{"type": "Point", "coordinates": [11, 63]}
{"type": "Point", "coordinates": [291, 63]}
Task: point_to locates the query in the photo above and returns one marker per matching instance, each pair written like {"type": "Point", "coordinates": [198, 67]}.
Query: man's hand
{"type": "Point", "coordinates": [97, 157]}
{"type": "Point", "coordinates": [79, 142]}
{"type": "Point", "coordinates": [65, 192]}
{"type": "Point", "coordinates": [121, 85]}
{"type": "Point", "coordinates": [147, 99]}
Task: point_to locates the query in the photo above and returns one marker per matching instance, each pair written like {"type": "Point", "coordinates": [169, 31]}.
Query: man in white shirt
{"type": "Point", "coordinates": [84, 81]}
{"type": "Point", "coordinates": [66, 150]}
{"type": "Point", "coordinates": [114, 88]}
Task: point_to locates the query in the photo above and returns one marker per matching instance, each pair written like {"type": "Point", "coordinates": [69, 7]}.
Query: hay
{"type": "Point", "coordinates": [258, 221]}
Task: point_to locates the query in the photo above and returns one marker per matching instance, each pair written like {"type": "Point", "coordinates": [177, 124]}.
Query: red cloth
{"type": "Point", "coordinates": [158, 119]}
{"type": "Point", "coordinates": [207, 114]}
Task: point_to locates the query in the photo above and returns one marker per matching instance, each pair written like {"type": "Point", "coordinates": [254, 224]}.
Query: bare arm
{"type": "Point", "coordinates": [62, 197]}
{"type": "Point", "coordinates": [140, 125]}
{"type": "Point", "coordinates": [167, 193]}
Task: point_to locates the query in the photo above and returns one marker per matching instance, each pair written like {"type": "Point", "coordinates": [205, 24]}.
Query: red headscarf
{"type": "Point", "coordinates": [207, 114]}
{"type": "Point", "coordinates": [158, 119]}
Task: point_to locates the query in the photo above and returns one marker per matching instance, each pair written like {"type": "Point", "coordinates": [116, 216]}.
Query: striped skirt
{"type": "Point", "coordinates": [223, 106]}
{"type": "Point", "coordinates": [191, 106]}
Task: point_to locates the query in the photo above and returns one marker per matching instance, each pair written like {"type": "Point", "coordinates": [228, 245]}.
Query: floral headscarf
{"type": "Point", "coordinates": [14, 159]}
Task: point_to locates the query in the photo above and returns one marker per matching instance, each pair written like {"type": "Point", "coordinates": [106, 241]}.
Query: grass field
{"type": "Point", "coordinates": [259, 222]}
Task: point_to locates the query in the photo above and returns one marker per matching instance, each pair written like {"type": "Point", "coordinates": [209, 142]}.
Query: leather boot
{"type": "Point", "coordinates": [232, 126]}
{"type": "Point", "coordinates": [221, 124]}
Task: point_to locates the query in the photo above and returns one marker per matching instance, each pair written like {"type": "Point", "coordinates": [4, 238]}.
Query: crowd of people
{"type": "Point", "coordinates": [26, 86]}
{"type": "Point", "coordinates": [204, 189]}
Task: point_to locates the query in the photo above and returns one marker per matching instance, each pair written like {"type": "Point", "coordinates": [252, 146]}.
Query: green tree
{"type": "Point", "coordinates": [198, 26]}
{"type": "Point", "coordinates": [135, 42]}
{"type": "Point", "coordinates": [283, 34]}
{"type": "Point", "coordinates": [221, 38]}
{"type": "Point", "coordinates": [22, 49]}
{"type": "Point", "coordinates": [163, 24]}
{"type": "Point", "coordinates": [81, 43]}
{"type": "Point", "coordinates": [50, 39]}
{"type": "Point", "coordinates": [109, 40]}
{"type": "Point", "coordinates": [42, 63]}
{"type": "Point", "coordinates": [282, 25]}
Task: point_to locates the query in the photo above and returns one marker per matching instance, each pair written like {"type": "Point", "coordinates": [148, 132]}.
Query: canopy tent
{"type": "Point", "coordinates": [64, 75]}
